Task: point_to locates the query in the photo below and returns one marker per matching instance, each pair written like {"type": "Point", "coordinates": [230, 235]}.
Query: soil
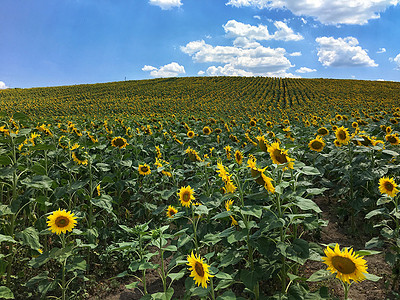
{"type": "Point", "coordinates": [333, 233]}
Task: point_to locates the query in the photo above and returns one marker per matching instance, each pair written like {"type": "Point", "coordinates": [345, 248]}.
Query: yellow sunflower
{"type": "Point", "coordinates": [199, 270]}
{"type": "Point", "coordinates": [186, 195]}
{"type": "Point", "coordinates": [190, 134]}
{"type": "Point", "coordinates": [393, 139]}
{"type": "Point", "coordinates": [317, 144]}
{"type": "Point", "coordinates": [239, 157]}
{"type": "Point", "coordinates": [347, 265]}
{"type": "Point", "coordinates": [342, 135]}
{"type": "Point", "coordinates": [323, 131]}
{"type": "Point", "coordinates": [119, 142]}
{"type": "Point", "coordinates": [207, 130]}
{"type": "Point", "coordinates": [80, 157]}
{"type": "Point", "coordinates": [228, 205]}
{"type": "Point", "coordinates": [263, 143]}
{"type": "Point", "coordinates": [61, 221]}
{"type": "Point", "coordinates": [221, 171]}
{"type": "Point", "coordinates": [388, 186]}
{"type": "Point", "coordinates": [171, 211]}
{"type": "Point", "coordinates": [280, 156]}
{"type": "Point", "coordinates": [144, 169]}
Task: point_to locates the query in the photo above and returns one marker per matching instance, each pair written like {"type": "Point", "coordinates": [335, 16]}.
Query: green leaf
{"type": "Point", "coordinates": [19, 116]}
{"type": "Point", "coordinates": [201, 210]}
{"type": "Point", "coordinates": [316, 191]}
{"type": "Point", "coordinates": [390, 152]}
{"type": "Point", "coordinates": [366, 252]}
{"type": "Point", "coordinates": [132, 285]}
{"type": "Point", "coordinates": [177, 276]}
{"type": "Point", "coordinates": [5, 210]}
{"type": "Point", "coordinates": [376, 212]}
{"type": "Point", "coordinates": [372, 277]}
{"type": "Point", "coordinates": [104, 202]}
{"type": "Point", "coordinates": [29, 237]}
{"type": "Point", "coordinates": [307, 170]}
{"type": "Point", "coordinates": [7, 238]}
{"type": "Point", "coordinates": [222, 275]}
{"type": "Point", "coordinates": [6, 293]}
{"type": "Point", "coordinates": [38, 182]}
{"type": "Point", "coordinates": [255, 211]}
{"type": "Point", "coordinates": [228, 295]}
{"type": "Point", "coordinates": [320, 275]}
{"type": "Point", "coordinates": [307, 204]}
{"type": "Point", "coordinates": [5, 160]}
{"type": "Point", "coordinates": [38, 169]}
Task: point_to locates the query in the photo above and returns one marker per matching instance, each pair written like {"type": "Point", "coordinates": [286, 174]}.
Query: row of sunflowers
{"type": "Point", "coordinates": [216, 208]}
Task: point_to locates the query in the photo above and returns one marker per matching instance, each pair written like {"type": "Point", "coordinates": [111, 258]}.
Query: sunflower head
{"type": "Point", "coordinates": [119, 142]}
{"type": "Point", "coordinates": [144, 169]}
{"type": "Point", "coordinates": [354, 125]}
{"type": "Point", "coordinates": [317, 144]}
{"type": "Point", "coordinates": [263, 143]}
{"type": "Point", "coordinates": [207, 130]}
{"type": "Point", "coordinates": [171, 211]}
{"type": "Point", "coordinates": [280, 156]}
{"type": "Point", "coordinates": [190, 134]}
{"type": "Point", "coordinates": [199, 270]}
{"type": "Point", "coordinates": [61, 221]}
{"type": "Point", "coordinates": [393, 139]}
{"type": "Point", "coordinates": [186, 195]}
{"type": "Point", "coordinates": [388, 186]}
{"type": "Point", "coordinates": [238, 157]}
{"type": "Point", "coordinates": [342, 135]}
{"type": "Point", "coordinates": [80, 156]}
{"type": "Point", "coordinates": [253, 122]}
{"type": "Point", "coordinates": [346, 264]}
{"type": "Point", "coordinates": [269, 124]}
{"type": "Point", "coordinates": [323, 131]}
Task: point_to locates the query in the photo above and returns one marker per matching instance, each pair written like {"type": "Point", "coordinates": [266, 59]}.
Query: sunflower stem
{"type": "Point", "coordinates": [212, 289]}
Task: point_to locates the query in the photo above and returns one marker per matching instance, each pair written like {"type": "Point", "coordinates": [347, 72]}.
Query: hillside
{"type": "Point", "coordinates": [204, 96]}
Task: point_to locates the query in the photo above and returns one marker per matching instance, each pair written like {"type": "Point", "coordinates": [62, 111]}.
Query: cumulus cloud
{"type": "Point", "coordinates": [166, 4]}
{"type": "Point", "coordinates": [240, 61]}
{"type": "Point", "coordinates": [381, 50]}
{"type": "Point", "coordinates": [397, 61]}
{"type": "Point", "coordinates": [170, 70]}
{"type": "Point", "coordinates": [235, 29]}
{"type": "Point", "coordinates": [342, 52]}
{"type": "Point", "coordinates": [305, 70]}
{"type": "Point", "coordinates": [295, 54]}
{"type": "Point", "coordinates": [330, 12]}
{"type": "Point", "coordinates": [3, 86]}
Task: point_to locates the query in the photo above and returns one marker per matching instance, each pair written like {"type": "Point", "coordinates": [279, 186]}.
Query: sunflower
{"type": "Point", "coordinates": [207, 130]}
{"type": "Point", "coordinates": [186, 195]}
{"type": "Point", "coordinates": [61, 221]}
{"type": "Point", "coordinates": [388, 129]}
{"type": "Point", "coordinates": [228, 205]}
{"type": "Point", "coordinates": [229, 185]}
{"type": "Point", "coordinates": [269, 124]}
{"type": "Point", "coordinates": [388, 186]}
{"type": "Point", "coordinates": [393, 139]}
{"type": "Point", "coordinates": [144, 169]}
{"type": "Point", "coordinates": [239, 157]}
{"type": "Point", "coordinates": [80, 157]}
{"type": "Point", "coordinates": [342, 135]}
{"type": "Point", "coordinates": [317, 144]}
{"type": "Point", "coordinates": [199, 270]}
{"type": "Point", "coordinates": [221, 171]}
{"type": "Point", "coordinates": [63, 142]}
{"type": "Point", "coordinates": [347, 265]}
{"type": "Point", "coordinates": [323, 131]}
{"type": "Point", "coordinates": [253, 122]}
{"type": "Point", "coordinates": [263, 143]}
{"type": "Point", "coordinates": [337, 143]}
{"type": "Point", "coordinates": [354, 125]}
{"type": "Point", "coordinates": [280, 156]}
{"type": "Point", "coordinates": [171, 211]}
{"type": "Point", "coordinates": [119, 142]}
{"type": "Point", "coordinates": [190, 134]}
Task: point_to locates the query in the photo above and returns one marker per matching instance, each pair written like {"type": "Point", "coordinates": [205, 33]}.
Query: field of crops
{"type": "Point", "coordinates": [208, 183]}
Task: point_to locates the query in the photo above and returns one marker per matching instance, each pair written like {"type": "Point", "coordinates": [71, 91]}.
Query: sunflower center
{"type": "Point", "coordinates": [186, 197]}
{"type": "Point", "coordinates": [145, 169]}
{"type": "Point", "coordinates": [171, 212]}
{"type": "Point", "coordinates": [343, 264]}
{"type": "Point", "coordinates": [119, 142]}
{"type": "Point", "coordinates": [342, 135]}
{"type": "Point", "coordinates": [280, 157]}
{"type": "Point", "coordinates": [316, 145]}
{"type": "Point", "coordinates": [388, 186]}
{"type": "Point", "coordinates": [62, 222]}
{"type": "Point", "coordinates": [391, 139]}
{"type": "Point", "coordinates": [322, 131]}
{"type": "Point", "coordinates": [199, 269]}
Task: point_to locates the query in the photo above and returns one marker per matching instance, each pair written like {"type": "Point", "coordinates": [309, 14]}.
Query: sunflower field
{"type": "Point", "coordinates": [211, 185]}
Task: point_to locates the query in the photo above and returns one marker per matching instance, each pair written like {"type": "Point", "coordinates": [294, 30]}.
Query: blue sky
{"type": "Point", "coordinates": [66, 42]}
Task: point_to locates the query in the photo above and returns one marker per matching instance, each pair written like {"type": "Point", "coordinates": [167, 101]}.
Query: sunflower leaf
{"type": "Point", "coordinates": [6, 293]}
{"type": "Point", "coordinates": [319, 276]}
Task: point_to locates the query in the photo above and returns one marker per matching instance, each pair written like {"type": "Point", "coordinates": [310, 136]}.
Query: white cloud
{"type": "Point", "coordinates": [166, 4]}
{"type": "Point", "coordinates": [342, 52]}
{"type": "Point", "coordinates": [171, 70]}
{"type": "Point", "coordinates": [326, 11]}
{"type": "Point", "coordinates": [3, 86]}
{"type": "Point", "coordinates": [295, 54]}
{"type": "Point", "coordinates": [240, 61]}
{"type": "Point", "coordinates": [305, 70]}
{"type": "Point", "coordinates": [257, 17]}
{"type": "Point", "coordinates": [200, 73]}
{"type": "Point", "coordinates": [235, 29]}
{"type": "Point", "coordinates": [381, 50]}
{"type": "Point", "coordinates": [397, 61]}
